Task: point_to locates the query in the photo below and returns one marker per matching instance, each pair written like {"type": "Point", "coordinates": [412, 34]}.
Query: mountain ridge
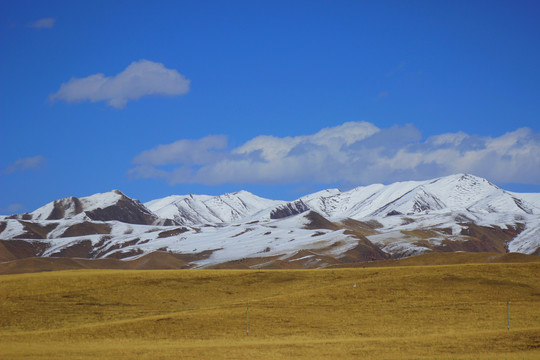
{"type": "Point", "coordinates": [454, 213]}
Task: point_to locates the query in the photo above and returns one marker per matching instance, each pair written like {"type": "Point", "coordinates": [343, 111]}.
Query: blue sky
{"type": "Point", "coordinates": [280, 98]}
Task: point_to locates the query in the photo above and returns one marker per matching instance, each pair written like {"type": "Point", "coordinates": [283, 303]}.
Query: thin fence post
{"type": "Point", "coordinates": [508, 314]}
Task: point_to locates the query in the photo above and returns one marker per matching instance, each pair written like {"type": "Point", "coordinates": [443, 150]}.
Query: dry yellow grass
{"type": "Point", "coordinates": [418, 312]}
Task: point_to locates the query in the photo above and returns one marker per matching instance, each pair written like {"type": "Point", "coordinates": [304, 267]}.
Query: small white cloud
{"type": "Point", "coordinates": [45, 23]}
{"type": "Point", "coordinates": [13, 209]}
{"type": "Point", "coordinates": [353, 153]}
{"type": "Point", "coordinates": [24, 164]}
{"type": "Point", "coordinates": [141, 78]}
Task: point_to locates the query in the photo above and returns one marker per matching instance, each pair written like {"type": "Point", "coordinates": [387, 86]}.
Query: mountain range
{"type": "Point", "coordinates": [454, 213]}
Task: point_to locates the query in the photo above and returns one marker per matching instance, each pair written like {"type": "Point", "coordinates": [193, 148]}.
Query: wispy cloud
{"type": "Point", "coordinates": [141, 78]}
{"type": "Point", "coordinates": [396, 69]}
{"type": "Point", "coordinates": [353, 153]}
{"type": "Point", "coordinates": [188, 152]}
{"type": "Point", "coordinates": [24, 164]}
{"type": "Point", "coordinates": [13, 209]}
{"type": "Point", "coordinates": [45, 23]}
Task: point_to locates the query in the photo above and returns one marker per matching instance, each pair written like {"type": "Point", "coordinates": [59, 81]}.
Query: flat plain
{"type": "Point", "coordinates": [457, 310]}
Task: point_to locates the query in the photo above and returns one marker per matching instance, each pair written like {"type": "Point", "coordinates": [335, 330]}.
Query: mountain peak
{"type": "Point", "coordinates": [460, 212]}
{"type": "Point", "coordinates": [107, 206]}
{"type": "Point", "coordinates": [202, 209]}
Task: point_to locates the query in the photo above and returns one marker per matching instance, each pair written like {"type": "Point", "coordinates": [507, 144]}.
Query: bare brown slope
{"type": "Point", "coordinates": [35, 230]}
{"type": "Point", "coordinates": [158, 260]}
{"type": "Point", "coordinates": [18, 249]}
{"type": "Point", "coordinates": [448, 258]}
{"type": "Point", "coordinates": [3, 226]}
{"type": "Point", "coordinates": [5, 254]}
{"type": "Point", "coordinates": [164, 260]}
{"type": "Point", "coordinates": [40, 264]}
{"type": "Point", "coordinates": [317, 221]}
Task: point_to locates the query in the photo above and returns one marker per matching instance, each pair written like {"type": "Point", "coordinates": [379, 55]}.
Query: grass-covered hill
{"type": "Point", "coordinates": [396, 312]}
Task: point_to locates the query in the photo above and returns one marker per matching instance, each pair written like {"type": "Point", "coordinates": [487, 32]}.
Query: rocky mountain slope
{"type": "Point", "coordinates": [113, 205]}
{"type": "Point", "coordinates": [454, 213]}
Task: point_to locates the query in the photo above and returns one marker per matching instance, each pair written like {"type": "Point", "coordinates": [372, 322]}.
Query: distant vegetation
{"type": "Point", "coordinates": [413, 312]}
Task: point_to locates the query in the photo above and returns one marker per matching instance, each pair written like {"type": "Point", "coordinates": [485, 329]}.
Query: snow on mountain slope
{"type": "Point", "coordinates": [454, 213]}
{"type": "Point", "coordinates": [201, 209]}
{"type": "Point", "coordinates": [364, 201]}
{"type": "Point", "coordinates": [532, 199]}
{"type": "Point", "coordinates": [527, 242]}
{"type": "Point", "coordinates": [455, 192]}
{"type": "Point", "coordinates": [102, 200]}
{"type": "Point", "coordinates": [112, 205]}
{"type": "Point", "coordinates": [208, 244]}
{"type": "Point", "coordinates": [476, 194]}
{"type": "Point", "coordinates": [72, 206]}
{"type": "Point", "coordinates": [460, 191]}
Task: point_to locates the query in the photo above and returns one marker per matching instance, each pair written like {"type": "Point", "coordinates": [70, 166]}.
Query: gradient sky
{"type": "Point", "coordinates": [280, 98]}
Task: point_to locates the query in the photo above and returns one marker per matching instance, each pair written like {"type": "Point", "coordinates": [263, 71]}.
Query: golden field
{"type": "Point", "coordinates": [453, 311]}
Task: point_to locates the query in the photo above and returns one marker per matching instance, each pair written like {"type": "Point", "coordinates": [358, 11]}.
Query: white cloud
{"type": "Point", "coordinates": [13, 209]}
{"type": "Point", "coordinates": [353, 153]}
{"type": "Point", "coordinates": [189, 152]}
{"type": "Point", "coordinates": [45, 23]}
{"type": "Point", "coordinates": [141, 78]}
{"type": "Point", "coordinates": [274, 148]}
{"type": "Point", "coordinates": [28, 163]}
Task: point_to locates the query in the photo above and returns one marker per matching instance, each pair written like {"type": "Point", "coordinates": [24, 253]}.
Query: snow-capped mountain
{"type": "Point", "coordinates": [204, 209]}
{"type": "Point", "coordinates": [454, 213]}
{"type": "Point", "coordinates": [460, 192]}
{"type": "Point", "coordinates": [112, 205]}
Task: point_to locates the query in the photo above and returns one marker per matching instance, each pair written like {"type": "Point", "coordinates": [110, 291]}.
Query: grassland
{"type": "Point", "coordinates": [398, 312]}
